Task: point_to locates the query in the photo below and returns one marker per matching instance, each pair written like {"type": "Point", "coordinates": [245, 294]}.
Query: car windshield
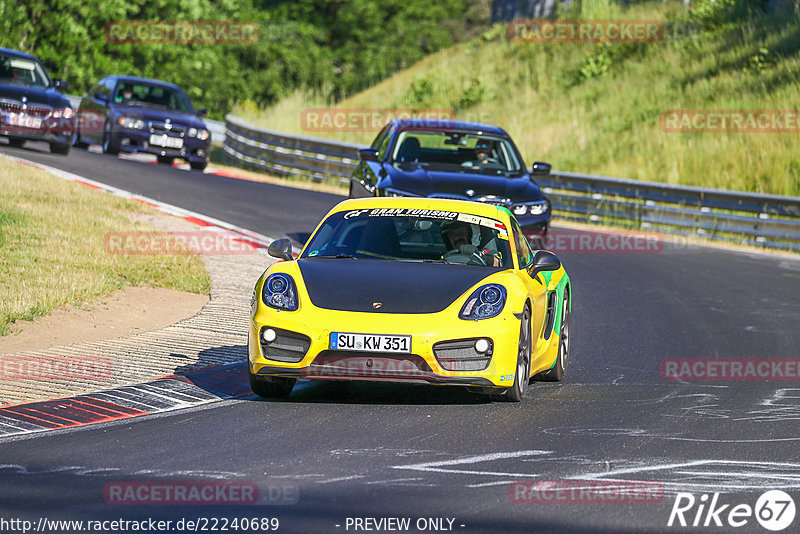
{"type": "Point", "coordinates": [457, 152]}
{"type": "Point", "coordinates": [144, 94]}
{"type": "Point", "coordinates": [23, 72]}
{"type": "Point", "coordinates": [403, 234]}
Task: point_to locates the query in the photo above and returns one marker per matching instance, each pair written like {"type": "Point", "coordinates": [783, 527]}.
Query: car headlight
{"type": "Point", "coordinates": [534, 208]}
{"type": "Point", "coordinates": [484, 303]}
{"type": "Point", "coordinates": [201, 133]}
{"type": "Point", "coordinates": [66, 113]}
{"type": "Point", "coordinates": [539, 207]}
{"type": "Point", "coordinates": [131, 123]}
{"type": "Point", "coordinates": [279, 292]}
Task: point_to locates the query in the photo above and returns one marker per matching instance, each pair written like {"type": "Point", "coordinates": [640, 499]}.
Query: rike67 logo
{"type": "Point", "coordinates": [774, 510]}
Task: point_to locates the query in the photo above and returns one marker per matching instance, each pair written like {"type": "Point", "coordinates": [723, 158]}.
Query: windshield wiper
{"type": "Point", "coordinates": [336, 256]}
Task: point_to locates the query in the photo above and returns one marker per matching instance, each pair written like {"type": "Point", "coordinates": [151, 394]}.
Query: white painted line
{"type": "Point", "coordinates": [487, 484]}
{"type": "Point", "coordinates": [440, 467]}
{"type": "Point", "coordinates": [394, 480]}
{"type": "Point", "coordinates": [339, 479]}
{"type": "Point", "coordinates": [686, 464]}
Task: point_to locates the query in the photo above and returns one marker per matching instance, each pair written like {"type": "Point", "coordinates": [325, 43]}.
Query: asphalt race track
{"type": "Point", "coordinates": [335, 453]}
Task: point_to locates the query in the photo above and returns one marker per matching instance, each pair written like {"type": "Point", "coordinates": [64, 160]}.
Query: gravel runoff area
{"type": "Point", "coordinates": [215, 335]}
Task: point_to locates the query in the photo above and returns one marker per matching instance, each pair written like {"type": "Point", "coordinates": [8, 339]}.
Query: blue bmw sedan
{"type": "Point", "coordinates": [130, 114]}
{"type": "Point", "coordinates": [32, 107]}
{"type": "Point", "coordinates": [453, 159]}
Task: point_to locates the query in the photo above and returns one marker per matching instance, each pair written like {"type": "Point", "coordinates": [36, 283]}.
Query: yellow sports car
{"type": "Point", "coordinates": [411, 290]}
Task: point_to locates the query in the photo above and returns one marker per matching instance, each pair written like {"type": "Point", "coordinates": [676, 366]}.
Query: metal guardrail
{"type": "Point", "coordinates": [216, 129]}
{"type": "Point", "coordinates": [750, 218]}
{"type": "Point", "coordinates": [321, 160]}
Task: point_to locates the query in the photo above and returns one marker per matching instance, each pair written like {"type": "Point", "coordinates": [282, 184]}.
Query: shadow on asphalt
{"type": "Point", "coordinates": [231, 381]}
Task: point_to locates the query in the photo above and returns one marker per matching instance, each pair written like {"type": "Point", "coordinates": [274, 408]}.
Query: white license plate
{"type": "Point", "coordinates": [370, 342]}
{"type": "Point", "coordinates": [24, 121]}
{"type": "Point", "coordinates": [166, 141]}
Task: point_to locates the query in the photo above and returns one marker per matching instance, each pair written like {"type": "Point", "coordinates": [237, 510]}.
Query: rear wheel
{"type": "Point", "coordinates": [16, 141]}
{"type": "Point", "coordinates": [271, 387]}
{"type": "Point", "coordinates": [556, 373]}
{"type": "Point", "coordinates": [165, 160]}
{"type": "Point", "coordinates": [517, 392]}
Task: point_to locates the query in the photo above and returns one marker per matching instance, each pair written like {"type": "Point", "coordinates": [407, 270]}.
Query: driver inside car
{"type": "Point", "coordinates": [458, 238]}
{"type": "Point", "coordinates": [483, 156]}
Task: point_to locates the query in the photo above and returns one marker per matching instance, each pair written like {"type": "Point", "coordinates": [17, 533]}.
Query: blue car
{"type": "Point", "coordinates": [456, 160]}
{"type": "Point", "coordinates": [130, 114]}
{"type": "Point", "coordinates": [32, 107]}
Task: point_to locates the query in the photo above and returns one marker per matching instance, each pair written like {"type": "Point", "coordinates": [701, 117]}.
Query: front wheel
{"type": "Point", "coordinates": [198, 165]}
{"type": "Point", "coordinates": [165, 160]}
{"type": "Point", "coordinates": [108, 144]}
{"type": "Point", "coordinates": [517, 392]}
{"type": "Point", "coordinates": [271, 387]}
{"type": "Point", "coordinates": [59, 148]}
{"type": "Point", "coordinates": [16, 141]}
{"type": "Point", "coordinates": [557, 372]}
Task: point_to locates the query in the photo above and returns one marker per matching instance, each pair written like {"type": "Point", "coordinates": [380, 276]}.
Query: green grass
{"type": "Point", "coordinates": [52, 251]}
{"type": "Point", "coordinates": [596, 107]}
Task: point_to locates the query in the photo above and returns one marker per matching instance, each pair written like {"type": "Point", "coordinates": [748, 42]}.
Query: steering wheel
{"type": "Point", "coordinates": [485, 162]}
{"type": "Point", "coordinates": [464, 257]}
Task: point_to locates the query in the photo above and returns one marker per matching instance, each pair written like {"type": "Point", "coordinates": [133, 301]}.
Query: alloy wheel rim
{"type": "Point", "coordinates": [522, 356]}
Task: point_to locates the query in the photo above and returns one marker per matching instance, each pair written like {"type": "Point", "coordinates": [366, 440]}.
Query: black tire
{"type": "Point", "coordinates": [16, 141]}
{"type": "Point", "coordinates": [350, 194]}
{"type": "Point", "coordinates": [557, 372]}
{"type": "Point", "coordinates": [78, 143]}
{"type": "Point", "coordinates": [58, 148]}
{"type": "Point", "coordinates": [198, 165]}
{"type": "Point", "coordinates": [518, 391]}
{"type": "Point", "coordinates": [108, 145]}
{"type": "Point", "coordinates": [165, 160]}
{"type": "Point", "coordinates": [271, 387]}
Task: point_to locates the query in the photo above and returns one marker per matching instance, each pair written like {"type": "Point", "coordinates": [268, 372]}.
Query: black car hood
{"type": "Point", "coordinates": [415, 179]}
{"type": "Point", "coordinates": [400, 286]}
{"type": "Point", "coordinates": [34, 95]}
{"type": "Point", "coordinates": [159, 114]}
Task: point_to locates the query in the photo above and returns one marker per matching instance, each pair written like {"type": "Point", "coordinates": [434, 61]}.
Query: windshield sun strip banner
{"type": "Point", "coordinates": [430, 214]}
